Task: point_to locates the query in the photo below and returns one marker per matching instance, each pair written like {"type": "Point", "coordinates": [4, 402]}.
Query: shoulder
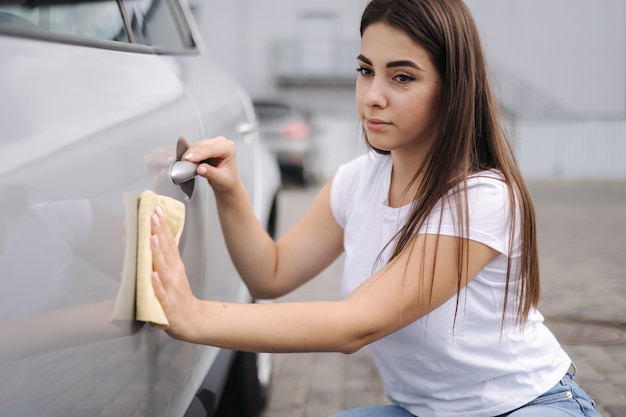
{"type": "Point", "coordinates": [489, 205]}
{"type": "Point", "coordinates": [487, 186]}
{"type": "Point", "coordinates": [484, 200]}
{"type": "Point", "coordinates": [486, 196]}
{"type": "Point", "coordinates": [488, 178]}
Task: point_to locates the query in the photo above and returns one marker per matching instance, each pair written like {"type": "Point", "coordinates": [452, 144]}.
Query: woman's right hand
{"type": "Point", "coordinates": [217, 162]}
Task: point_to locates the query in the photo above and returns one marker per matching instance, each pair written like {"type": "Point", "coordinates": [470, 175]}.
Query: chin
{"type": "Point", "coordinates": [377, 145]}
{"type": "Point", "coordinates": [373, 138]}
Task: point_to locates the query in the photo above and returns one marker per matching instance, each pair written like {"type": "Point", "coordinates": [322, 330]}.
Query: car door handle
{"type": "Point", "coordinates": [182, 173]}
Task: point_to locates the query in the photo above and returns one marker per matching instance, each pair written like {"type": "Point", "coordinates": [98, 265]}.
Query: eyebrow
{"type": "Point", "coordinates": [401, 63]}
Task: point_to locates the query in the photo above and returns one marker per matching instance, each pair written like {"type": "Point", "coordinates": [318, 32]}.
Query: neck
{"type": "Point", "coordinates": [401, 191]}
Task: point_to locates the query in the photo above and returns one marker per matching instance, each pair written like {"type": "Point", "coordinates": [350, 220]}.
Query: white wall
{"type": "Point", "coordinates": [241, 32]}
{"type": "Point", "coordinates": [573, 150]}
{"type": "Point", "coordinates": [549, 58]}
{"type": "Point", "coordinates": [571, 51]}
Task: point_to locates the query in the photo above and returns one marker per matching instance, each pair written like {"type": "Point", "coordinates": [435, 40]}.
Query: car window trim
{"type": "Point", "coordinates": [61, 38]}
{"type": "Point", "coordinates": [127, 25]}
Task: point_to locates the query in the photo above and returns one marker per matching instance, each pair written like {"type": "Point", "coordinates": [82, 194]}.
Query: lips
{"type": "Point", "coordinates": [376, 125]}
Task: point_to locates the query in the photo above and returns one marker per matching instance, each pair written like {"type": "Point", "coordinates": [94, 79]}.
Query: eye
{"type": "Point", "coordinates": [364, 71]}
{"type": "Point", "coordinates": [404, 78]}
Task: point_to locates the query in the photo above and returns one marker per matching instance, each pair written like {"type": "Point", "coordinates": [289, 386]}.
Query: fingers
{"type": "Point", "coordinates": [169, 279]}
{"type": "Point", "coordinates": [164, 234]}
{"type": "Point", "coordinates": [159, 291]}
{"type": "Point", "coordinates": [221, 169]}
{"type": "Point", "coordinates": [164, 250]}
{"type": "Point", "coordinates": [216, 149]}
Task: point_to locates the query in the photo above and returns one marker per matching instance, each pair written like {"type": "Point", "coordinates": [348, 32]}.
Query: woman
{"type": "Point", "coordinates": [441, 274]}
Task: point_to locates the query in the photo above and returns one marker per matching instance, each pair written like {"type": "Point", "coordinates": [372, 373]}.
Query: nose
{"type": "Point", "coordinates": [374, 94]}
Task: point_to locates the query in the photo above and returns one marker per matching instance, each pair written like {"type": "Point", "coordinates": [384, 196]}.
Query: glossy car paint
{"type": "Point", "coordinates": [81, 124]}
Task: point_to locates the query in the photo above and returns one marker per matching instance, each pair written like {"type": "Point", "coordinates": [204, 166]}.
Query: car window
{"type": "Point", "coordinates": [160, 24]}
{"type": "Point", "coordinates": [95, 20]}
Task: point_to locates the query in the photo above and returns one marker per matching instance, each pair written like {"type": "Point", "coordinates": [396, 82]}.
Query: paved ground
{"type": "Point", "coordinates": [582, 243]}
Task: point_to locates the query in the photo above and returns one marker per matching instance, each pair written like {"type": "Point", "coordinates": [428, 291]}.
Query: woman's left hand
{"type": "Point", "coordinates": [169, 279]}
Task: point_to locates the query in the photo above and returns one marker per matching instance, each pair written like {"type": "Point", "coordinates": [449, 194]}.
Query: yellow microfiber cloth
{"type": "Point", "coordinates": [136, 297]}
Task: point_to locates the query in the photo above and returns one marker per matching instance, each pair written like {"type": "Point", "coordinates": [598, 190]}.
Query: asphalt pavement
{"type": "Point", "coordinates": [582, 245]}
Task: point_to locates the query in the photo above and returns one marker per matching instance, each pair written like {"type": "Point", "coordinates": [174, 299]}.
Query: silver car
{"type": "Point", "coordinates": [94, 97]}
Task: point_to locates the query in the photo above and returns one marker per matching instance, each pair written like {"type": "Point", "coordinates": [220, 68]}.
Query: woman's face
{"type": "Point", "coordinates": [396, 91]}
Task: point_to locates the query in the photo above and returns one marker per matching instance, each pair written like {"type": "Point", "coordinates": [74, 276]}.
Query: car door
{"type": "Point", "coordinates": [89, 112]}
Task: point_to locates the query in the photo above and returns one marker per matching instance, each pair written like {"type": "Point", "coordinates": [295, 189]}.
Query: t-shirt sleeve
{"type": "Point", "coordinates": [488, 205]}
{"type": "Point", "coordinates": [344, 187]}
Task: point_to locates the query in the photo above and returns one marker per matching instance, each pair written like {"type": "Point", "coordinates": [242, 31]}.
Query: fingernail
{"type": "Point", "coordinates": [155, 220]}
{"type": "Point", "coordinates": [202, 170]}
{"type": "Point", "coordinates": [159, 211]}
{"type": "Point", "coordinates": [188, 156]}
{"type": "Point", "coordinates": [155, 240]}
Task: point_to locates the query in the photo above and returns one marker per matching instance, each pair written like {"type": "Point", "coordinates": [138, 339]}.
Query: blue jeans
{"type": "Point", "coordinates": [565, 399]}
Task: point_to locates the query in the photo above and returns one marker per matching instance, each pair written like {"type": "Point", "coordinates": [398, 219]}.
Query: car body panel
{"type": "Point", "coordinates": [80, 126]}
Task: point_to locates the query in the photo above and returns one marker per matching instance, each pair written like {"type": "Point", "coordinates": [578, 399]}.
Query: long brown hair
{"type": "Point", "coordinates": [470, 136]}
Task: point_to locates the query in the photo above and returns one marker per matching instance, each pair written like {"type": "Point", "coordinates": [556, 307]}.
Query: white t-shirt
{"type": "Point", "coordinates": [435, 367]}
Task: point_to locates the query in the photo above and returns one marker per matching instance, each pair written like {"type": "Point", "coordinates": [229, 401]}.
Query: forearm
{"type": "Point", "coordinates": [274, 327]}
{"type": "Point", "coordinates": [251, 248]}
